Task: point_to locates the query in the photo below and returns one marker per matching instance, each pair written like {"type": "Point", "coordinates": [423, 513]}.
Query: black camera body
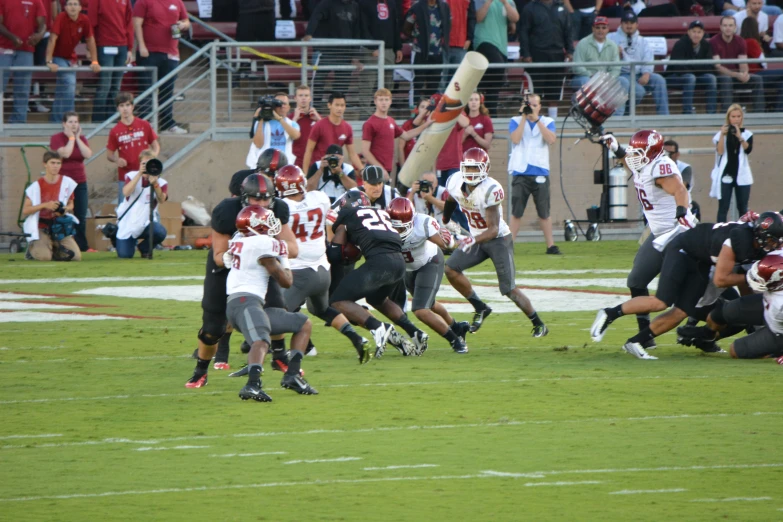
{"type": "Point", "coordinates": [733, 129]}
{"type": "Point", "coordinates": [60, 210]}
{"type": "Point", "coordinates": [154, 167]}
{"type": "Point", "coordinates": [527, 109]}
{"type": "Point", "coordinates": [268, 104]}
{"type": "Point", "coordinates": [424, 186]}
{"type": "Point", "coordinates": [333, 161]}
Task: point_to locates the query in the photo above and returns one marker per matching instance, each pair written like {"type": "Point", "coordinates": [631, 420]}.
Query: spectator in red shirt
{"type": "Point", "coordinates": [480, 131]}
{"type": "Point", "coordinates": [112, 25]}
{"type": "Point", "coordinates": [128, 139]}
{"type": "Point", "coordinates": [22, 26]}
{"type": "Point", "coordinates": [333, 130]}
{"type": "Point", "coordinates": [404, 148]}
{"type": "Point", "coordinates": [158, 25]}
{"type": "Point", "coordinates": [306, 116]}
{"type": "Point", "coordinates": [68, 30]}
{"type": "Point", "coordinates": [73, 149]}
{"type": "Point", "coordinates": [380, 131]}
{"type": "Point", "coordinates": [729, 46]}
{"type": "Point", "coordinates": [773, 78]}
{"type": "Point", "coordinates": [47, 199]}
{"type": "Point", "coordinates": [463, 23]}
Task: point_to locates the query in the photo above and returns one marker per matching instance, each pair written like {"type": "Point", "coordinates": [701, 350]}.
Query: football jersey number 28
{"type": "Point", "coordinates": [375, 219]}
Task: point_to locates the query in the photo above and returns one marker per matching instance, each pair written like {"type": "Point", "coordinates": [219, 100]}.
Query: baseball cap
{"type": "Point", "coordinates": [630, 16]}
{"type": "Point", "coordinates": [696, 23]}
{"type": "Point", "coordinates": [372, 174]}
{"type": "Point", "coordinates": [334, 149]}
{"type": "Point", "coordinates": [601, 20]}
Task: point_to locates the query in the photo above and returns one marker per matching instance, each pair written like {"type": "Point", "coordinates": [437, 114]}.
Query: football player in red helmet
{"type": "Point", "coordinates": [255, 219]}
{"type": "Point", "coordinates": [474, 166]}
{"type": "Point", "coordinates": [289, 181]}
{"type": "Point", "coordinates": [762, 308]}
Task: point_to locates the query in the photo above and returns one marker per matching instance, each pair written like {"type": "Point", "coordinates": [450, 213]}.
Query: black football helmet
{"type": "Point", "coordinates": [768, 230]}
{"type": "Point", "coordinates": [353, 198]}
{"type": "Point", "coordinates": [270, 161]}
{"type": "Point", "coordinates": [256, 186]}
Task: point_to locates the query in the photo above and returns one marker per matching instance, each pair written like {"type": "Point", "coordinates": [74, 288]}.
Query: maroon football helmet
{"type": "Point", "coordinates": [401, 212]}
{"type": "Point", "coordinates": [257, 220]}
{"type": "Point", "coordinates": [767, 274]}
{"type": "Point", "coordinates": [289, 181]}
{"type": "Point", "coordinates": [645, 147]}
{"type": "Point", "coordinates": [478, 161]}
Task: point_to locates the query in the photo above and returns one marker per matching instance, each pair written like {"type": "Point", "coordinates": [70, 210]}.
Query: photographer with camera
{"type": "Point", "coordinates": [330, 175]}
{"type": "Point", "coordinates": [531, 136]}
{"type": "Point", "coordinates": [733, 144]}
{"type": "Point", "coordinates": [272, 128]}
{"type": "Point", "coordinates": [134, 211]}
{"type": "Point", "coordinates": [428, 197]}
{"type": "Point", "coordinates": [48, 203]}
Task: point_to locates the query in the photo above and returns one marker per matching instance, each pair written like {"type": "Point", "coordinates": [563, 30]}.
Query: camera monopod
{"type": "Point", "coordinates": [154, 167]}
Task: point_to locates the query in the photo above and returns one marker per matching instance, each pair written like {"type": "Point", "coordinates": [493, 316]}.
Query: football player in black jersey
{"type": "Point", "coordinates": [685, 275]}
{"type": "Point", "coordinates": [370, 229]}
{"type": "Point", "coordinates": [251, 188]}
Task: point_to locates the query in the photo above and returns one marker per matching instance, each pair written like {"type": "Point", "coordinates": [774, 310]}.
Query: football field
{"type": "Point", "coordinates": [97, 424]}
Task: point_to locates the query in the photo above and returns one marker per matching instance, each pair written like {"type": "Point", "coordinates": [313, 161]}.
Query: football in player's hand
{"type": "Point", "coordinates": [351, 253]}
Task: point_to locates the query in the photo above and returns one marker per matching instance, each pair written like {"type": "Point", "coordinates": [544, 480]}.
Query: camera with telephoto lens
{"type": "Point", "coordinates": [268, 104]}
{"type": "Point", "coordinates": [60, 208]}
{"type": "Point", "coordinates": [424, 186]}
{"type": "Point", "coordinates": [154, 167]}
{"type": "Point", "coordinates": [333, 161]}
{"type": "Point", "coordinates": [527, 109]}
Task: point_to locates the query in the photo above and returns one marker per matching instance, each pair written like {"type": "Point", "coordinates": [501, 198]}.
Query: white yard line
{"type": "Point", "coordinates": [318, 461]}
{"type": "Point", "coordinates": [411, 466]}
{"type": "Point", "coordinates": [40, 436]}
{"type": "Point", "coordinates": [734, 499]}
{"type": "Point", "coordinates": [230, 455]}
{"type": "Point", "coordinates": [646, 491]}
{"type": "Point", "coordinates": [158, 448]}
{"type": "Point", "coordinates": [99, 279]}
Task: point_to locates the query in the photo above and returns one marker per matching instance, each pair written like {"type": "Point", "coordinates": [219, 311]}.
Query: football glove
{"type": "Point", "coordinates": [685, 219]}
{"type": "Point", "coordinates": [228, 259]}
{"type": "Point", "coordinates": [611, 142]}
{"type": "Point", "coordinates": [467, 243]}
{"type": "Point", "coordinates": [749, 217]}
{"type": "Point", "coordinates": [282, 256]}
{"type": "Point", "coordinates": [447, 238]}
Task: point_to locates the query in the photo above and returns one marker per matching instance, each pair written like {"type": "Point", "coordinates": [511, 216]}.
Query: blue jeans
{"type": "Point", "coordinates": [65, 92]}
{"type": "Point", "coordinates": [454, 56]}
{"type": "Point", "coordinates": [126, 248]}
{"type": "Point", "coordinates": [22, 81]}
{"type": "Point", "coordinates": [755, 84]}
{"type": "Point", "coordinates": [687, 82]}
{"type": "Point", "coordinates": [103, 106]}
{"type": "Point", "coordinates": [656, 85]}
{"type": "Point", "coordinates": [581, 24]}
{"type": "Point", "coordinates": [80, 196]}
{"type": "Point", "coordinates": [166, 91]}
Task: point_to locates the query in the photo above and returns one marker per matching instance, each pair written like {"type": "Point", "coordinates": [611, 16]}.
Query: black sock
{"type": "Point", "coordinates": [253, 373]}
{"type": "Point", "coordinates": [614, 312]}
{"type": "Point", "coordinates": [310, 346]}
{"type": "Point", "coordinates": [535, 319]}
{"type": "Point", "coordinates": [372, 323]}
{"type": "Point", "coordinates": [348, 331]}
{"type": "Point", "coordinates": [278, 349]}
{"type": "Point", "coordinates": [642, 337]}
{"type": "Point", "coordinates": [451, 337]}
{"type": "Point", "coordinates": [406, 324]}
{"type": "Point", "coordinates": [643, 320]}
{"type": "Point", "coordinates": [202, 365]}
{"type": "Point", "coordinates": [477, 303]}
{"type": "Point", "coordinates": [223, 348]}
{"type": "Point", "coordinates": [294, 362]}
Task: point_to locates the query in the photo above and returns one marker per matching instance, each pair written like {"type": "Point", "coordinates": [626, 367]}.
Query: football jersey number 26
{"type": "Point", "coordinates": [375, 219]}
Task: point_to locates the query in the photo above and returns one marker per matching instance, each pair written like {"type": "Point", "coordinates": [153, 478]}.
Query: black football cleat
{"type": "Point", "coordinates": [298, 384]}
{"type": "Point", "coordinates": [478, 319]}
{"type": "Point", "coordinates": [649, 345]}
{"type": "Point", "coordinates": [253, 391]}
{"type": "Point", "coordinates": [459, 346]}
{"type": "Point", "coordinates": [199, 380]}
{"type": "Point", "coordinates": [696, 332]}
{"type": "Point", "coordinates": [364, 351]}
{"type": "Point", "coordinates": [461, 328]}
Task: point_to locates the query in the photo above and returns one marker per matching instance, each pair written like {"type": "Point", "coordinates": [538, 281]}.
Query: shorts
{"type": "Point", "coordinates": [424, 283]}
{"type": "Point", "coordinates": [284, 322]}
{"type": "Point", "coordinates": [500, 250]}
{"type": "Point", "coordinates": [398, 295]}
{"type": "Point", "coordinates": [374, 281]}
{"type": "Point", "coordinates": [646, 264]}
{"type": "Point", "coordinates": [761, 343]}
{"type": "Point", "coordinates": [274, 295]}
{"type": "Point", "coordinates": [245, 312]}
{"type": "Point", "coordinates": [522, 187]}
{"type": "Point", "coordinates": [311, 286]}
{"type": "Point", "coordinates": [683, 280]}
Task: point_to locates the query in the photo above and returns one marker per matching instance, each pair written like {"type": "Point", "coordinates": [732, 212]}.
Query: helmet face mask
{"type": "Point", "coordinates": [644, 148]}
{"type": "Point", "coordinates": [401, 212]}
{"type": "Point", "coordinates": [257, 220]}
{"type": "Point", "coordinates": [474, 166]}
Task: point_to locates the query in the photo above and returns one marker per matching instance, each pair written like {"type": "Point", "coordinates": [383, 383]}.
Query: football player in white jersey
{"type": "Point", "coordinates": [422, 241]}
{"type": "Point", "coordinates": [310, 268]}
{"type": "Point", "coordinates": [480, 198]}
{"type": "Point", "coordinates": [254, 257]}
{"type": "Point", "coordinates": [665, 202]}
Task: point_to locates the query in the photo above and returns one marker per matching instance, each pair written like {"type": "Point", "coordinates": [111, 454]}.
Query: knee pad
{"type": "Point", "coordinates": [213, 326]}
{"type": "Point", "coordinates": [639, 292]}
{"type": "Point", "coordinates": [329, 315]}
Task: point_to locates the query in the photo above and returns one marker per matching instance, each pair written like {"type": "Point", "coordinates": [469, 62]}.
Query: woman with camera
{"type": "Point", "coordinates": [733, 144]}
{"type": "Point", "coordinates": [480, 131]}
{"type": "Point", "coordinates": [134, 211]}
{"type": "Point", "coordinates": [73, 148]}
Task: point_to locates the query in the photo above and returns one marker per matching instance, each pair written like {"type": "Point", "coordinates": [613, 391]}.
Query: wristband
{"type": "Point", "coordinates": [49, 62]}
{"type": "Point", "coordinates": [94, 63]}
{"type": "Point", "coordinates": [71, 138]}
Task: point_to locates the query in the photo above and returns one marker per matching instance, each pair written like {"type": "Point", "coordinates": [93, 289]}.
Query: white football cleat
{"type": "Point", "coordinates": [381, 337]}
{"type": "Point", "coordinates": [638, 351]}
{"type": "Point", "coordinates": [600, 325]}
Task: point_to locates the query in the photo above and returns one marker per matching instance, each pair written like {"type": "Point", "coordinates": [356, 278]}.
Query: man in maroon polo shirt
{"type": "Point", "coordinates": [112, 25]}
{"type": "Point", "coordinates": [306, 116]}
{"type": "Point", "coordinates": [68, 30]}
{"type": "Point", "coordinates": [380, 131]}
{"type": "Point", "coordinates": [333, 130]}
{"type": "Point", "coordinates": [729, 46]}
{"type": "Point", "coordinates": [158, 25]}
{"type": "Point", "coordinates": [22, 26]}
{"type": "Point", "coordinates": [128, 138]}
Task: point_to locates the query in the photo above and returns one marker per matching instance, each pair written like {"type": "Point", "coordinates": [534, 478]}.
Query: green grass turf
{"type": "Point", "coordinates": [563, 423]}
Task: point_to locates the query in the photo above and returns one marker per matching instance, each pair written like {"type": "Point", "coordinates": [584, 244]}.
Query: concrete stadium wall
{"type": "Point", "coordinates": [205, 173]}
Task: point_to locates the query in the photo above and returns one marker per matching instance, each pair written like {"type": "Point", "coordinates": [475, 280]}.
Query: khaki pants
{"type": "Point", "coordinates": [41, 250]}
